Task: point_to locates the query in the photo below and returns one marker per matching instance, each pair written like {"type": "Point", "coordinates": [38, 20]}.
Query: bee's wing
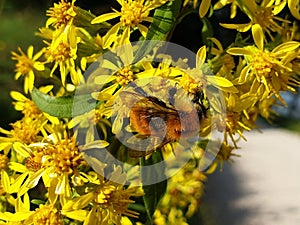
{"type": "Point", "coordinates": [141, 151]}
{"type": "Point", "coordinates": [146, 103]}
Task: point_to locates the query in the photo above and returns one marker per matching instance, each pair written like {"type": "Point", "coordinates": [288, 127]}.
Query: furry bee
{"type": "Point", "coordinates": [160, 120]}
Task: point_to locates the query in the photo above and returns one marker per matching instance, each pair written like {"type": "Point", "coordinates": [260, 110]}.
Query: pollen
{"type": "Point", "coordinates": [61, 53]}
{"type": "Point", "coordinates": [124, 76]}
{"type": "Point", "coordinates": [34, 163]}
{"type": "Point", "coordinates": [26, 130]}
{"type": "Point", "coordinates": [104, 195]}
{"type": "Point", "coordinates": [132, 13]}
{"type": "Point", "coordinates": [97, 117]}
{"type": "Point", "coordinates": [30, 109]}
{"type": "Point", "coordinates": [13, 223]}
{"type": "Point", "coordinates": [62, 13]}
{"type": "Point", "coordinates": [232, 119]}
{"type": "Point", "coordinates": [228, 62]}
{"type": "Point", "coordinates": [263, 17]}
{"type": "Point", "coordinates": [47, 215]}
{"type": "Point", "coordinates": [3, 161]}
{"type": "Point", "coordinates": [113, 196]}
{"type": "Point", "coordinates": [189, 84]}
{"type": "Point", "coordinates": [63, 156]}
{"type": "Point", "coordinates": [268, 21]}
{"type": "Point", "coordinates": [24, 64]}
{"type": "Point", "coordinates": [262, 63]}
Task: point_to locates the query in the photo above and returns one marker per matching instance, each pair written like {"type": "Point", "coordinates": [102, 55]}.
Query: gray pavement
{"type": "Point", "coordinates": [262, 187]}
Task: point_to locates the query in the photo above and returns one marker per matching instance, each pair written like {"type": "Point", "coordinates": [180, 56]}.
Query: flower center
{"type": "Point", "coordinates": [228, 62]}
{"type": "Point", "coordinates": [132, 13]}
{"type": "Point", "coordinates": [262, 64]}
{"type": "Point", "coordinates": [61, 53]}
{"type": "Point", "coordinates": [26, 130]}
{"type": "Point", "coordinates": [232, 119]}
{"type": "Point", "coordinates": [64, 156]}
{"type": "Point", "coordinates": [34, 163]}
{"type": "Point", "coordinates": [264, 17]}
{"type": "Point", "coordinates": [47, 215]}
{"type": "Point", "coordinates": [3, 161]}
{"type": "Point", "coordinates": [112, 196]}
{"type": "Point", "coordinates": [97, 116]}
{"type": "Point", "coordinates": [189, 85]}
{"type": "Point", "coordinates": [62, 13]}
{"type": "Point", "coordinates": [104, 195]}
{"type": "Point", "coordinates": [30, 109]}
{"type": "Point", "coordinates": [24, 64]}
{"type": "Point", "coordinates": [124, 76]}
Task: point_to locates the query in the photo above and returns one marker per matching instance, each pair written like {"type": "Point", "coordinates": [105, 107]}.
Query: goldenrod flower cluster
{"type": "Point", "coordinates": [54, 164]}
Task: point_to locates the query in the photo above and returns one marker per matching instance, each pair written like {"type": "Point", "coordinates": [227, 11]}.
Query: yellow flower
{"type": "Point", "coordinates": [57, 162]}
{"type": "Point", "coordinates": [54, 162]}
{"type": "Point", "coordinates": [182, 197]}
{"type": "Point", "coordinates": [89, 121]}
{"type": "Point", "coordinates": [267, 72]}
{"type": "Point", "coordinates": [263, 14]}
{"type": "Point", "coordinates": [29, 109]}
{"type": "Point", "coordinates": [61, 14]}
{"type": "Point", "coordinates": [25, 132]}
{"type": "Point", "coordinates": [105, 202]}
{"type": "Point", "coordinates": [132, 14]}
{"type": "Point", "coordinates": [63, 52]}
{"type": "Point", "coordinates": [44, 214]}
{"type": "Point", "coordinates": [119, 73]}
{"type": "Point", "coordinates": [27, 66]}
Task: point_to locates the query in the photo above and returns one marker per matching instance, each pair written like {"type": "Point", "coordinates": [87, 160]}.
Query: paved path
{"type": "Point", "coordinates": [260, 188]}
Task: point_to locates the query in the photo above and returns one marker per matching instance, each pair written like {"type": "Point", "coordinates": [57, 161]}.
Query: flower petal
{"type": "Point", "coordinates": [240, 27]}
{"type": "Point", "coordinates": [30, 51]}
{"type": "Point", "coordinates": [204, 7]}
{"type": "Point", "coordinates": [258, 36]}
{"type": "Point", "coordinates": [18, 96]}
{"type": "Point", "coordinates": [143, 29]}
{"type": "Point", "coordinates": [294, 8]}
{"type": "Point", "coordinates": [239, 51]}
{"type": "Point", "coordinates": [105, 17]}
{"type": "Point", "coordinates": [201, 56]}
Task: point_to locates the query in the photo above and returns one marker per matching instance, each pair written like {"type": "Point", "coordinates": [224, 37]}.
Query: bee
{"type": "Point", "coordinates": [153, 118]}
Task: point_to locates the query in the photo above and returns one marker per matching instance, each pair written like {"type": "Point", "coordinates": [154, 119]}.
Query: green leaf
{"type": "Point", "coordinates": [65, 106]}
{"type": "Point", "coordinates": [37, 202]}
{"type": "Point", "coordinates": [164, 19]}
{"type": "Point", "coordinates": [153, 192]}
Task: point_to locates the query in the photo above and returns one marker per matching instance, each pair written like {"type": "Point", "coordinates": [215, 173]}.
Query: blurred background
{"type": "Point", "coordinates": [264, 177]}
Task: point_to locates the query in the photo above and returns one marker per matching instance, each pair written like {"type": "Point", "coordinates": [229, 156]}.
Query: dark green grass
{"type": "Point", "coordinates": [17, 28]}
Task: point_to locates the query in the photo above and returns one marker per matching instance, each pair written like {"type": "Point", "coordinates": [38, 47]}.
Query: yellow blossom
{"type": "Point", "coordinates": [263, 14]}
{"type": "Point", "coordinates": [27, 65]}
{"type": "Point", "coordinates": [267, 72]}
{"type": "Point", "coordinates": [29, 109]}
{"type": "Point", "coordinates": [182, 196]}
{"type": "Point", "coordinates": [46, 215]}
{"type": "Point", "coordinates": [89, 121]}
{"type": "Point", "coordinates": [25, 132]}
{"type": "Point", "coordinates": [60, 52]}
{"type": "Point", "coordinates": [132, 14]}
{"type": "Point", "coordinates": [109, 201]}
{"type": "Point", "coordinates": [61, 14]}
